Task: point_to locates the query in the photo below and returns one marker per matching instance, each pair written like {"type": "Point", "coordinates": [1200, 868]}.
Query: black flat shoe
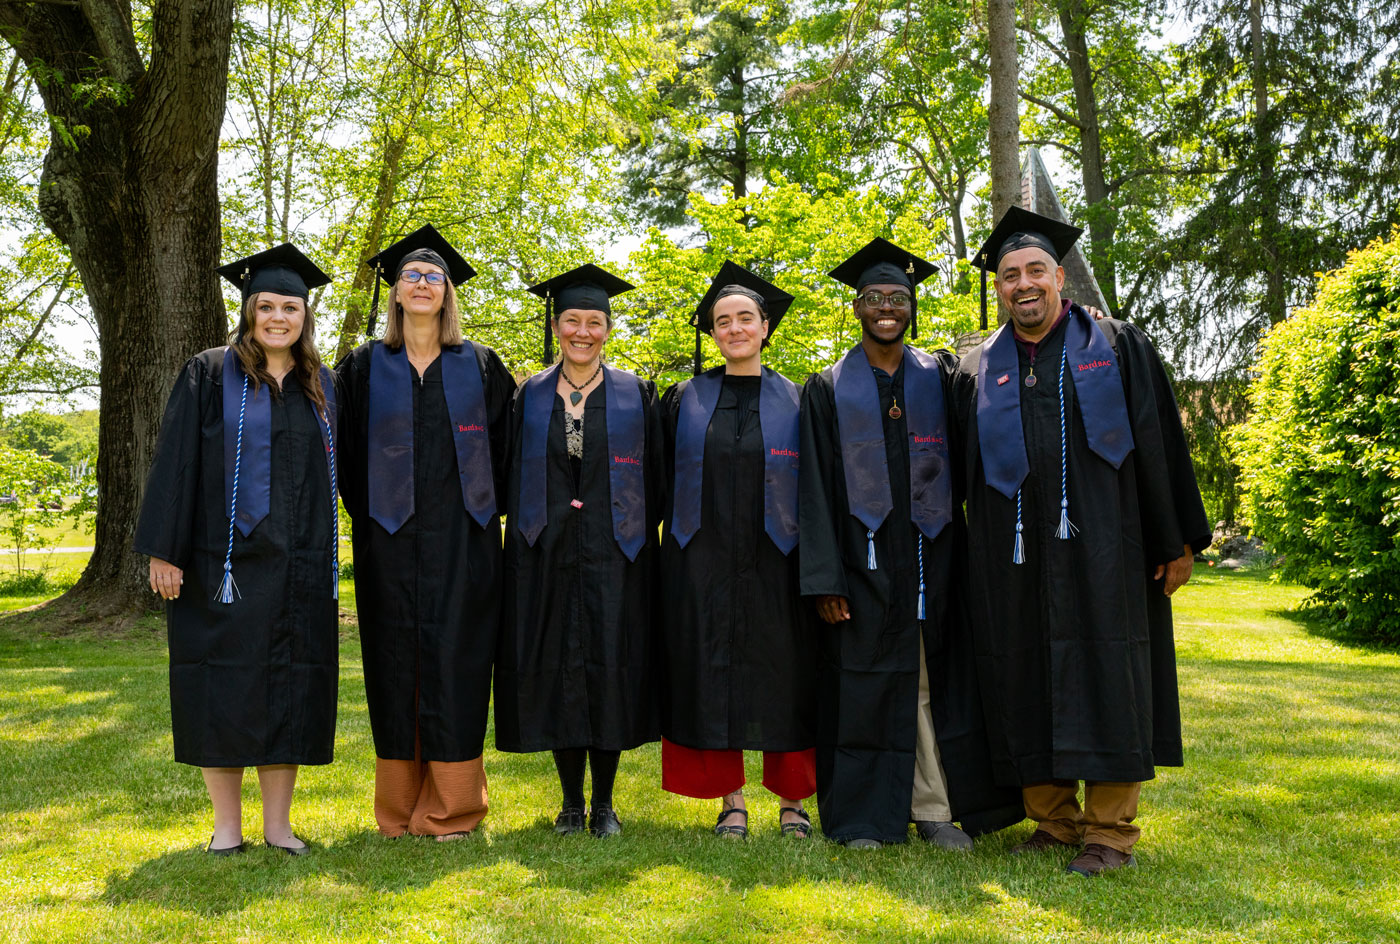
{"type": "Point", "coordinates": [603, 822]}
{"type": "Point", "coordinates": [303, 849]}
{"type": "Point", "coordinates": [226, 850]}
{"type": "Point", "coordinates": [734, 830]}
{"type": "Point", "coordinates": [569, 821]}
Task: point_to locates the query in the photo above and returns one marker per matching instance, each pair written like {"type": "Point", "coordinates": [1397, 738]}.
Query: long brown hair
{"type": "Point", "coordinates": [449, 320]}
{"type": "Point", "coordinates": [253, 359]}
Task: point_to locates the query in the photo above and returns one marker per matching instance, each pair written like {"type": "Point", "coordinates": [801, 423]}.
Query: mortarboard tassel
{"type": "Point", "coordinates": [984, 294]}
{"type": "Point", "coordinates": [548, 332]}
{"type": "Point", "coordinates": [699, 360]}
{"type": "Point", "coordinates": [374, 303]}
{"type": "Point", "coordinates": [913, 303]}
{"type": "Point", "coordinates": [870, 550]}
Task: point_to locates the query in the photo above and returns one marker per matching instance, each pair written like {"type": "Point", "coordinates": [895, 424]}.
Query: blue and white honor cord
{"type": "Point", "coordinates": [227, 588]}
{"type": "Point", "coordinates": [1066, 529]}
{"type": "Point", "coordinates": [335, 511]}
{"type": "Point", "coordinates": [919, 543]}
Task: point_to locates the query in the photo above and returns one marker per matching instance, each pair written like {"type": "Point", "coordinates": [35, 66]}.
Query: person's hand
{"type": "Point", "coordinates": [166, 578]}
{"type": "Point", "coordinates": [1097, 313]}
{"type": "Point", "coordinates": [1177, 572]}
{"type": "Point", "coordinates": [833, 609]}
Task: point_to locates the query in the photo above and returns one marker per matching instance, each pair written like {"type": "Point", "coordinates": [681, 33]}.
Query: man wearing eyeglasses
{"type": "Point", "coordinates": [900, 734]}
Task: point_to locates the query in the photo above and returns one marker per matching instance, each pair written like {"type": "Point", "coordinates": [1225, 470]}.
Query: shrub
{"type": "Point", "coordinates": [1320, 454]}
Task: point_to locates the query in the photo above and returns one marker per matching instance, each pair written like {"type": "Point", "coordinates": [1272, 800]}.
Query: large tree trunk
{"type": "Point", "coordinates": [130, 185]}
{"type": "Point", "coordinates": [1102, 214]}
{"type": "Point", "coordinates": [1004, 131]}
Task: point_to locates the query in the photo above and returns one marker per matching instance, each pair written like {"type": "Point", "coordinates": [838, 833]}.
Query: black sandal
{"type": "Point", "coordinates": [799, 830]}
{"type": "Point", "coordinates": [740, 831]}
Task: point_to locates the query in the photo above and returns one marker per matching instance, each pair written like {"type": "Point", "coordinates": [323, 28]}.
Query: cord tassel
{"type": "Point", "coordinates": [1018, 550]}
{"type": "Point", "coordinates": [335, 509]}
{"type": "Point", "coordinates": [870, 550]}
{"type": "Point", "coordinates": [1066, 529]}
{"type": "Point", "coordinates": [919, 542]}
{"type": "Point", "coordinates": [227, 588]}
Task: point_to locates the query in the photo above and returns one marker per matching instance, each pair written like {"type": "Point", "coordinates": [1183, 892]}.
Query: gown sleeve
{"type": "Point", "coordinates": [670, 417]}
{"type": "Point", "coordinates": [655, 452]}
{"type": "Point", "coordinates": [350, 449]}
{"type": "Point", "coordinates": [165, 528]}
{"type": "Point", "coordinates": [821, 570]}
{"type": "Point", "coordinates": [500, 394]}
{"type": "Point", "coordinates": [1170, 501]}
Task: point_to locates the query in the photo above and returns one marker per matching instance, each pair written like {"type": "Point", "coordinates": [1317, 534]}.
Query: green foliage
{"type": "Point", "coordinates": [793, 238]}
{"type": "Point", "coordinates": [1320, 455]}
{"type": "Point", "coordinates": [31, 498]}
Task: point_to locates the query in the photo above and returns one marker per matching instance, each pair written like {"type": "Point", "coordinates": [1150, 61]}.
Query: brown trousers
{"type": "Point", "coordinates": [1107, 816]}
{"type": "Point", "coordinates": [428, 798]}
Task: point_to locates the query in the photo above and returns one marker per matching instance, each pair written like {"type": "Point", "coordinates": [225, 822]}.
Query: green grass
{"type": "Point", "coordinates": [1283, 826]}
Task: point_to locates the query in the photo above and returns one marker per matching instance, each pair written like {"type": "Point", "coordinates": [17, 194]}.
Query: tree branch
{"type": "Point", "coordinates": [111, 24]}
{"type": "Point", "coordinates": [1054, 109]}
{"type": "Point", "coordinates": [28, 342]}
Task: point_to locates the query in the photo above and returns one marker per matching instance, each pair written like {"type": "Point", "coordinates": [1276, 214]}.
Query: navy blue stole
{"type": "Point", "coordinates": [1103, 408]}
{"type": "Point", "coordinates": [390, 452]}
{"type": "Point", "coordinates": [778, 412]}
{"type": "Point", "coordinates": [626, 428]}
{"type": "Point", "coordinates": [862, 431]}
{"type": "Point", "coordinates": [247, 421]}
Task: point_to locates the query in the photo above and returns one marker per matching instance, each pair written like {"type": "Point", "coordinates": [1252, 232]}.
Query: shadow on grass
{"type": "Point", "coordinates": [1315, 621]}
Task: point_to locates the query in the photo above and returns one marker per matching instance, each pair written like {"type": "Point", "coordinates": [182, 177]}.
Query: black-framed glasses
{"type": "Point", "coordinates": [898, 301]}
{"type": "Point", "coordinates": [413, 275]}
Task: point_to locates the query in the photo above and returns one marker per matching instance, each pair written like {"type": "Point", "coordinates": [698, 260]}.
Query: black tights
{"type": "Point", "coordinates": [570, 764]}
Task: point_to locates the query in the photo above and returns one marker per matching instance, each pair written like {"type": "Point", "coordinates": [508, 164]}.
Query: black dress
{"type": "Point", "coordinates": [1074, 647]}
{"type": "Point", "coordinates": [575, 665]}
{"type": "Point", "coordinates": [736, 638]}
{"type": "Point", "coordinates": [869, 673]}
{"type": "Point", "coordinates": [252, 682]}
{"type": "Point", "coordinates": [428, 595]}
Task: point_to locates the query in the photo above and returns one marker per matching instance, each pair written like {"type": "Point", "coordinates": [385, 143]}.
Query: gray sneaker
{"type": "Point", "coordinates": [864, 844]}
{"type": "Point", "coordinates": [944, 836]}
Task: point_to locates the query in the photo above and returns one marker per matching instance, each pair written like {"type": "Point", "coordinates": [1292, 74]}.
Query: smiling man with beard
{"type": "Point", "coordinates": [899, 728]}
{"type": "Point", "coordinates": [1083, 517]}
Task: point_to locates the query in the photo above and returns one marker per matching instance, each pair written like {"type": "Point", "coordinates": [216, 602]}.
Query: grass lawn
{"type": "Point", "coordinates": [1284, 826]}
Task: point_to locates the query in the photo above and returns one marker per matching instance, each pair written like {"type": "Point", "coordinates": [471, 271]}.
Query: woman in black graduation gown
{"type": "Point", "coordinates": [736, 647]}
{"type": "Point", "coordinates": [239, 522]}
{"type": "Point", "coordinates": [425, 426]}
{"type": "Point", "coordinates": [574, 665]}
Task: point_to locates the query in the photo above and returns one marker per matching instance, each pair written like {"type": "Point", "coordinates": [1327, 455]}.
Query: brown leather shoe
{"type": "Point", "coordinates": [1040, 841]}
{"type": "Point", "coordinates": [1098, 858]}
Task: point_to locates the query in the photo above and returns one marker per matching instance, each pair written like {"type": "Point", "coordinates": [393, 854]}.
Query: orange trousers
{"type": "Point", "coordinates": [428, 798]}
{"type": "Point", "coordinates": [1106, 818]}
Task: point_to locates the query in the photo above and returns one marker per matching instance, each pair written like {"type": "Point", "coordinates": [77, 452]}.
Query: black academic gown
{"type": "Point", "coordinates": [737, 643]}
{"type": "Point", "coordinates": [428, 595]}
{"type": "Point", "coordinates": [869, 665]}
{"type": "Point", "coordinates": [252, 682]}
{"type": "Point", "coordinates": [575, 665]}
{"type": "Point", "coordinates": [1074, 646]}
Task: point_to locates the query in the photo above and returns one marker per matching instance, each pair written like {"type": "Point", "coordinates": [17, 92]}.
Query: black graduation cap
{"type": "Point", "coordinates": [775, 301]}
{"type": "Point", "coordinates": [283, 270]}
{"type": "Point", "coordinates": [1019, 228]}
{"type": "Point", "coordinates": [882, 262]}
{"type": "Point", "coordinates": [424, 244]}
{"type": "Point", "coordinates": [589, 287]}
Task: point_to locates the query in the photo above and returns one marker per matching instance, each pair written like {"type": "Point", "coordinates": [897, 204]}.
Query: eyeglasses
{"type": "Point", "coordinates": [898, 301]}
{"type": "Point", "coordinates": [413, 275]}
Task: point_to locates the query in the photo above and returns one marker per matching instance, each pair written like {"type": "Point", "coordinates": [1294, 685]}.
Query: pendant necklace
{"type": "Point", "coordinates": [1030, 378]}
{"type": "Point", "coordinates": [895, 411]}
{"type": "Point", "coordinates": [577, 395]}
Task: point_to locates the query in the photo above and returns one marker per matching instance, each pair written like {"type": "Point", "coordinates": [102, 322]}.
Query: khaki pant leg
{"type": "Point", "coordinates": [1109, 811]}
{"type": "Point", "coordinates": [1054, 805]}
{"type": "Point", "coordinates": [930, 800]}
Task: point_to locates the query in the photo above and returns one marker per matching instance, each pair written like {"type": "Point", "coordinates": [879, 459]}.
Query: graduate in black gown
{"type": "Point", "coordinates": [1084, 516]}
{"type": "Point", "coordinates": [425, 420]}
{"type": "Point", "coordinates": [574, 668]}
{"type": "Point", "coordinates": [737, 648]}
{"type": "Point", "coordinates": [239, 521]}
{"type": "Point", "coordinates": [900, 735]}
